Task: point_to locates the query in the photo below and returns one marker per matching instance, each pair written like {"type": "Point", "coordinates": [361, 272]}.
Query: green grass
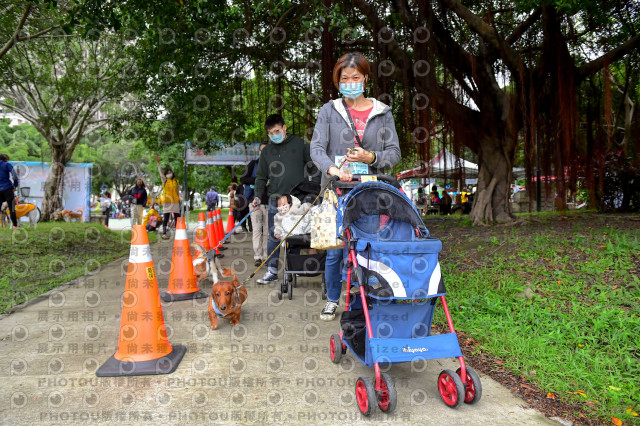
{"type": "Point", "coordinates": [193, 215]}
{"type": "Point", "coordinates": [36, 261]}
{"type": "Point", "coordinates": [578, 334]}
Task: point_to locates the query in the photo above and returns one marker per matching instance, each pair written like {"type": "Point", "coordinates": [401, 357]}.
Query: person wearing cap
{"type": "Point", "coordinates": [211, 199]}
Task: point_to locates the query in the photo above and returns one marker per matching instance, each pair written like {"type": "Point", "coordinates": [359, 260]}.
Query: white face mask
{"type": "Point", "coordinates": [283, 209]}
{"type": "Point", "coordinates": [169, 175]}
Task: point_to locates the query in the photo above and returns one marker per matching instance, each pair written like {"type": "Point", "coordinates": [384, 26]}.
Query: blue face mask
{"type": "Point", "coordinates": [277, 138]}
{"type": "Point", "coordinates": [352, 90]}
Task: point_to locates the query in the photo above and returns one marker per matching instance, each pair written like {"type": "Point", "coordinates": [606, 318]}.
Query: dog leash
{"type": "Point", "coordinates": [239, 223]}
{"type": "Point", "coordinates": [210, 254]}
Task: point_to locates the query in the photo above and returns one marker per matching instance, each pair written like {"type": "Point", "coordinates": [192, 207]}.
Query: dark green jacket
{"type": "Point", "coordinates": [284, 165]}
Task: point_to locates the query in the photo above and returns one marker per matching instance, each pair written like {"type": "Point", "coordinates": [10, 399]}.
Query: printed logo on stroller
{"type": "Point", "coordinates": [408, 349]}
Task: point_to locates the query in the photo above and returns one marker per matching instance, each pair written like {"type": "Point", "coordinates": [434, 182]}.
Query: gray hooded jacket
{"type": "Point", "coordinates": [332, 136]}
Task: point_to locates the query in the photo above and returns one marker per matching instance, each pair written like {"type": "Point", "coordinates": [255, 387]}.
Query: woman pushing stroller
{"type": "Point", "coordinates": [360, 130]}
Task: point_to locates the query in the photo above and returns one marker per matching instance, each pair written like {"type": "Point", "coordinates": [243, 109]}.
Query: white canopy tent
{"type": "Point", "coordinates": [444, 164]}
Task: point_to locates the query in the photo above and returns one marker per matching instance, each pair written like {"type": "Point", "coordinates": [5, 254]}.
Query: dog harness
{"type": "Point", "coordinates": [215, 308]}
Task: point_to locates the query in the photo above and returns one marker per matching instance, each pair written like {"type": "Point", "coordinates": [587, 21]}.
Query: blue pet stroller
{"type": "Point", "coordinates": [393, 262]}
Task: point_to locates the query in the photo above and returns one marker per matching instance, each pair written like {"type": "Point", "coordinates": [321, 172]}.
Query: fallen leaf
{"type": "Point", "coordinates": [616, 421]}
{"type": "Point", "coordinates": [551, 396]}
{"type": "Point", "coordinates": [630, 411]}
{"type": "Point", "coordinates": [614, 388]}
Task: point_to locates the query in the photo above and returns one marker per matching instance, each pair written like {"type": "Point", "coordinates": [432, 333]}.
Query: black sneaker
{"type": "Point", "coordinates": [258, 262]}
{"type": "Point", "coordinates": [268, 278]}
{"type": "Point", "coordinates": [329, 311]}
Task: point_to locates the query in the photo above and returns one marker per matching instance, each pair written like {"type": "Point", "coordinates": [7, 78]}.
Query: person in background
{"type": "Point", "coordinates": [368, 149]}
{"type": "Point", "coordinates": [435, 197]}
{"type": "Point", "coordinates": [233, 202]}
{"type": "Point", "coordinates": [151, 219]}
{"type": "Point", "coordinates": [284, 163]}
{"type": "Point", "coordinates": [8, 183]}
{"type": "Point", "coordinates": [105, 204]}
{"type": "Point", "coordinates": [259, 219]}
{"type": "Point", "coordinates": [445, 203]}
{"type": "Point", "coordinates": [211, 199]}
{"type": "Point", "coordinates": [139, 200]}
{"type": "Point", "coordinates": [171, 196]}
{"type": "Point", "coordinates": [243, 208]}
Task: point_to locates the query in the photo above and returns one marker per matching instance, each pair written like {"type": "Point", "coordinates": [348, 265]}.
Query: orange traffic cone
{"type": "Point", "coordinates": [143, 346]}
{"type": "Point", "coordinates": [213, 236]}
{"type": "Point", "coordinates": [182, 280]}
{"type": "Point", "coordinates": [202, 237]}
{"type": "Point", "coordinates": [211, 229]}
{"type": "Point", "coordinates": [220, 228]}
{"type": "Point", "coordinates": [230, 222]}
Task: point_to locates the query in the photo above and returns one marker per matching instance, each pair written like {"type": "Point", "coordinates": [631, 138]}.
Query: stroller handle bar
{"type": "Point", "coordinates": [356, 179]}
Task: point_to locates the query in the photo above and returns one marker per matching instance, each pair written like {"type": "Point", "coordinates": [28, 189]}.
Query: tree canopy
{"type": "Point", "coordinates": [550, 84]}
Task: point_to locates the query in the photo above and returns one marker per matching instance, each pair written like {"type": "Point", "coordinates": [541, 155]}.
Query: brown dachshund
{"type": "Point", "coordinates": [227, 298]}
{"type": "Point", "coordinates": [227, 295]}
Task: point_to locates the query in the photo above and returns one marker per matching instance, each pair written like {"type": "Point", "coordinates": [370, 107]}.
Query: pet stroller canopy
{"type": "Point", "coordinates": [378, 198]}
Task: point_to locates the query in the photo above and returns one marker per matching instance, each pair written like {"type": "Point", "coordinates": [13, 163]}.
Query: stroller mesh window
{"type": "Point", "coordinates": [378, 199]}
{"type": "Point", "coordinates": [354, 330]}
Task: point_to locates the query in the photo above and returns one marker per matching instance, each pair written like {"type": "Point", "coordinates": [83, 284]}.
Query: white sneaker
{"type": "Point", "coordinates": [329, 311]}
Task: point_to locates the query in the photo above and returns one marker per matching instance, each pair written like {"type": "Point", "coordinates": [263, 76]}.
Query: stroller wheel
{"type": "Point", "coordinates": [294, 280]}
{"type": "Point", "coordinates": [335, 348]}
{"type": "Point", "coordinates": [473, 386]}
{"type": "Point", "coordinates": [290, 288]}
{"type": "Point", "coordinates": [365, 395]}
{"type": "Point", "coordinates": [388, 395]}
{"type": "Point", "coordinates": [451, 388]}
{"type": "Point", "coordinates": [281, 290]}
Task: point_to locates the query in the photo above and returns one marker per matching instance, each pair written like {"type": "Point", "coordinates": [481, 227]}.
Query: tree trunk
{"type": "Point", "coordinates": [491, 202]}
{"type": "Point", "coordinates": [52, 200]}
{"type": "Point", "coordinates": [326, 66]}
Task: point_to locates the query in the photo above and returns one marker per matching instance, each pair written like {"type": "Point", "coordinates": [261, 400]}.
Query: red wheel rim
{"type": "Point", "coordinates": [470, 392]}
{"type": "Point", "coordinates": [361, 396]}
{"type": "Point", "coordinates": [447, 388]}
{"type": "Point", "coordinates": [384, 396]}
{"type": "Point", "coordinates": [332, 348]}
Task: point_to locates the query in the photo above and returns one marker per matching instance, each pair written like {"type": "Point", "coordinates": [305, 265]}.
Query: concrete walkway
{"type": "Point", "coordinates": [274, 368]}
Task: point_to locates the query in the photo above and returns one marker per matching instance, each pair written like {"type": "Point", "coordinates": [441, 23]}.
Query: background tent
{"type": "Point", "coordinates": [445, 164]}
